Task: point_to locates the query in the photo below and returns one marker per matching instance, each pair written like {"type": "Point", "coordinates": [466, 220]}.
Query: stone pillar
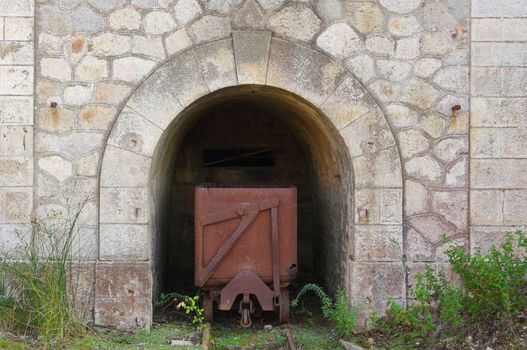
{"type": "Point", "coordinates": [16, 121]}
{"type": "Point", "coordinates": [499, 108]}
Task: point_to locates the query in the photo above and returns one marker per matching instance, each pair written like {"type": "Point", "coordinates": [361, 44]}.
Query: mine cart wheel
{"type": "Point", "coordinates": [284, 305]}
{"type": "Point", "coordinates": [208, 307]}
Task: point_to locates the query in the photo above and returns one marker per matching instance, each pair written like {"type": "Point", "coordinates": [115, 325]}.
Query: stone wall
{"type": "Point", "coordinates": [16, 122]}
{"type": "Point", "coordinates": [413, 56]}
{"type": "Point", "coordinates": [498, 172]}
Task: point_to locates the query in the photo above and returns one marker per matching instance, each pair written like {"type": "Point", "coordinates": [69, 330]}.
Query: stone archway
{"type": "Point", "coordinates": [339, 105]}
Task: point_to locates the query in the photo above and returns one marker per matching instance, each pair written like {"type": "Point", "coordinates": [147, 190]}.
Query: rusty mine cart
{"type": "Point", "coordinates": [245, 246]}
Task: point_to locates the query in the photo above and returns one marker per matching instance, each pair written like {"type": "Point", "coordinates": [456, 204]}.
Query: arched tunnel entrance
{"type": "Point", "coordinates": [252, 136]}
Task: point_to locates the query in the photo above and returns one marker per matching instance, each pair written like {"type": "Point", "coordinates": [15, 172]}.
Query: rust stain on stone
{"type": "Point", "coordinates": [88, 115]}
{"type": "Point", "coordinates": [77, 44]}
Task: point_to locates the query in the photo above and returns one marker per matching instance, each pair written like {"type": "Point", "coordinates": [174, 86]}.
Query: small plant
{"type": "Point", "coordinates": [191, 305]}
{"type": "Point", "coordinates": [337, 311]}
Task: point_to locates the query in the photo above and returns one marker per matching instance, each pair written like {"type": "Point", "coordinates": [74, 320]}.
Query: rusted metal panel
{"type": "Point", "coordinates": [245, 245]}
{"type": "Point", "coordinates": [233, 230]}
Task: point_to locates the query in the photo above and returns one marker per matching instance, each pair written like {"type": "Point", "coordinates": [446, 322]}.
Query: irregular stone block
{"type": "Point", "coordinates": [124, 168]}
{"type": "Point", "coordinates": [457, 175]}
{"type": "Point", "coordinates": [209, 28]}
{"type": "Point", "coordinates": [401, 6]}
{"type": "Point", "coordinates": [127, 18]}
{"type": "Point", "coordinates": [53, 20]}
{"type": "Point", "coordinates": [85, 20]}
{"type": "Point", "coordinates": [370, 169]}
{"type": "Point", "coordinates": [123, 205]}
{"type": "Point", "coordinates": [91, 69]}
{"type": "Point", "coordinates": [339, 40]}
{"type": "Point", "coordinates": [453, 206]}
{"type": "Point", "coordinates": [186, 10]}
{"type": "Point", "coordinates": [56, 166]}
{"type": "Point", "coordinates": [362, 66]}
{"type": "Point", "coordinates": [450, 149]}
{"type": "Point", "coordinates": [404, 26]}
{"type": "Point", "coordinates": [14, 238]}
{"type": "Point", "coordinates": [134, 133]}
{"type": "Point", "coordinates": [223, 6]}
{"type": "Point", "coordinates": [412, 142]}
{"type": "Point", "coordinates": [110, 44]}
{"type": "Point", "coordinates": [250, 15]}
{"type": "Point", "coordinates": [394, 70]}
{"type": "Point", "coordinates": [96, 117]}
{"type": "Point", "coordinates": [216, 61]}
{"type": "Point", "coordinates": [124, 242]}
{"type": "Point", "coordinates": [158, 23]}
{"type": "Point", "coordinates": [296, 22]}
{"type": "Point", "coordinates": [131, 69]}
{"type": "Point", "coordinates": [58, 120]}
{"type": "Point", "coordinates": [123, 280]}
{"type": "Point", "coordinates": [251, 51]}
{"type": "Point", "coordinates": [148, 46]}
{"type": "Point", "coordinates": [78, 95]}
{"type": "Point", "coordinates": [111, 92]}
{"type": "Point", "coordinates": [419, 93]}
{"type": "Point", "coordinates": [177, 41]}
{"type": "Point", "coordinates": [416, 198]}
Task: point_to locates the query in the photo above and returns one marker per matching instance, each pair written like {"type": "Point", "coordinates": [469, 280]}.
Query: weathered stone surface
{"type": "Point", "coordinates": [251, 15]}
{"type": "Point", "coordinates": [362, 66]}
{"type": "Point", "coordinates": [55, 68]}
{"type": "Point", "coordinates": [16, 140]}
{"type": "Point", "coordinates": [426, 67]}
{"type": "Point", "coordinates": [450, 149]}
{"type": "Point", "coordinates": [209, 28]}
{"type": "Point", "coordinates": [499, 29]}
{"type": "Point", "coordinates": [368, 134]}
{"type": "Point", "coordinates": [251, 51]}
{"type": "Point", "coordinates": [339, 40]}
{"type": "Point", "coordinates": [111, 92]}
{"type": "Point", "coordinates": [124, 242]}
{"type": "Point", "coordinates": [75, 48]}
{"type": "Point", "coordinates": [109, 44]}
{"type": "Point", "coordinates": [86, 20]}
{"type": "Point", "coordinates": [56, 166]}
{"type": "Point", "coordinates": [425, 168]}
{"type": "Point", "coordinates": [366, 17]}
{"type": "Point", "coordinates": [16, 110]}
{"type": "Point", "coordinates": [96, 117]}
{"type": "Point", "coordinates": [127, 18]}
{"type": "Point", "coordinates": [384, 206]}
{"type": "Point", "coordinates": [148, 46]}
{"type": "Point", "coordinates": [177, 41]}
{"type": "Point", "coordinates": [432, 228]}
{"type": "Point", "coordinates": [436, 43]}
{"type": "Point", "coordinates": [123, 205]}
{"type": "Point", "coordinates": [145, 4]}
{"type": "Point", "coordinates": [16, 171]}
{"type": "Point", "coordinates": [499, 54]}
{"type": "Point", "coordinates": [498, 143]}
{"type": "Point", "coordinates": [386, 91]}
{"type": "Point", "coordinates": [216, 61]}
{"type": "Point", "coordinates": [77, 95]}
{"type": "Point", "coordinates": [88, 165]}
{"type": "Point", "coordinates": [404, 26]}
{"type": "Point", "coordinates": [91, 68]}
{"type": "Point", "coordinates": [380, 45]}
{"type": "Point", "coordinates": [18, 8]}
{"type": "Point", "coordinates": [515, 207]}
{"type": "Point", "coordinates": [349, 102]}
{"type": "Point", "coordinates": [377, 281]}
{"type": "Point", "coordinates": [54, 20]}
{"type": "Point", "coordinates": [134, 133]}
{"type": "Point", "coordinates": [436, 16]}
{"type": "Point", "coordinates": [124, 168]}
{"type": "Point", "coordinates": [498, 173]}
{"type": "Point", "coordinates": [103, 5]}
{"type": "Point", "coordinates": [401, 6]}
{"type": "Point", "coordinates": [482, 239]}
{"type": "Point", "coordinates": [59, 119]}
{"type": "Point", "coordinates": [131, 69]}
{"type": "Point", "coordinates": [498, 112]}
{"type": "Point", "coordinates": [453, 206]}
{"type": "Point", "coordinates": [378, 243]}
{"type": "Point", "coordinates": [158, 23]}
{"type": "Point", "coordinates": [453, 79]}
{"type": "Point", "coordinates": [408, 48]}
{"type": "Point", "coordinates": [295, 22]}
{"type": "Point", "coordinates": [14, 238]}
{"type": "Point", "coordinates": [186, 10]}
{"type": "Point", "coordinates": [393, 70]}
{"type": "Point", "coordinates": [287, 63]}
{"type": "Point", "coordinates": [504, 8]}
{"type": "Point", "coordinates": [419, 93]}
{"type": "Point", "coordinates": [49, 44]}
{"type": "Point", "coordinates": [457, 175]}
{"type": "Point", "coordinates": [321, 78]}
{"type": "Point", "coordinates": [16, 52]}
{"type": "Point", "coordinates": [370, 169]}
{"type": "Point", "coordinates": [16, 204]}
{"type": "Point", "coordinates": [123, 313]}
{"type": "Point", "coordinates": [223, 6]}
{"type": "Point", "coordinates": [18, 28]}
{"type": "Point", "coordinates": [486, 207]}
{"type": "Point", "coordinates": [412, 142]}
{"type": "Point", "coordinates": [416, 198]}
